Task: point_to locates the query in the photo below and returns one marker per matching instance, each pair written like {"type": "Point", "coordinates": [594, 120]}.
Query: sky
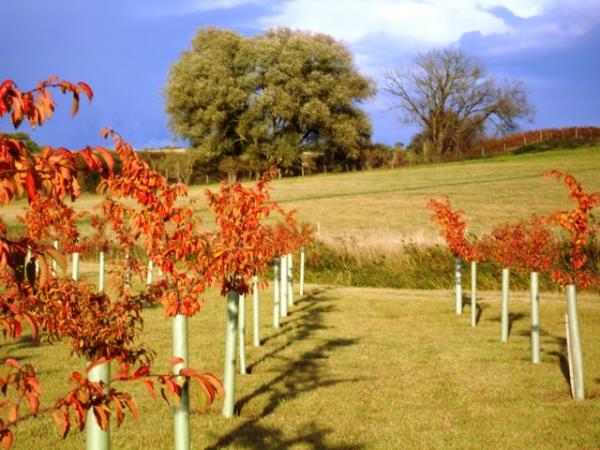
{"type": "Point", "coordinates": [125, 48]}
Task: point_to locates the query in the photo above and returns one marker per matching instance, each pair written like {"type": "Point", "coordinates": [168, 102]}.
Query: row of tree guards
{"type": "Point", "coordinates": [283, 300]}
{"type": "Point", "coordinates": [530, 246]}
{"type": "Point", "coordinates": [139, 210]}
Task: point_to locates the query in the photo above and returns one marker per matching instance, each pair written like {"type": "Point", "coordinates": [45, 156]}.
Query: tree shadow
{"type": "Point", "coordinates": [305, 372]}
{"type": "Point", "coordinates": [563, 362]}
{"type": "Point", "coordinates": [479, 307]}
{"type": "Point", "coordinates": [512, 318]}
{"type": "Point", "coordinates": [305, 303]}
{"type": "Point", "coordinates": [256, 436]}
{"type": "Point", "coordinates": [561, 354]}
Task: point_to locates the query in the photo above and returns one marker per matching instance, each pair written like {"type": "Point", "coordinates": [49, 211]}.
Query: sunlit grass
{"type": "Point", "coordinates": [387, 207]}
{"type": "Point", "coordinates": [376, 368]}
{"type": "Point", "coordinates": [365, 368]}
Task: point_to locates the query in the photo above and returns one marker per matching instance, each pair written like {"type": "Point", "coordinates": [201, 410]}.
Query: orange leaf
{"type": "Point", "coordinates": [30, 186]}
{"type": "Point", "coordinates": [62, 422]}
{"type": "Point", "coordinates": [34, 403]}
{"type": "Point", "coordinates": [7, 439]}
{"type": "Point", "coordinates": [150, 386]}
{"type": "Point", "coordinates": [13, 412]}
{"type": "Point", "coordinates": [176, 360]}
{"type": "Point", "coordinates": [119, 410]}
{"type": "Point", "coordinates": [12, 362]}
{"type": "Point", "coordinates": [107, 157]}
{"type": "Point", "coordinates": [101, 415]}
{"type": "Point", "coordinates": [133, 408]}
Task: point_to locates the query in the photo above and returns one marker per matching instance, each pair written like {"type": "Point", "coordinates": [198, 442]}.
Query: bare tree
{"type": "Point", "coordinates": [453, 100]}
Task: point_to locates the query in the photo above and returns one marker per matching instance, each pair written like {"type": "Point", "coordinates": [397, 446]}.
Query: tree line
{"type": "Point", "coordinates": [292, 99]}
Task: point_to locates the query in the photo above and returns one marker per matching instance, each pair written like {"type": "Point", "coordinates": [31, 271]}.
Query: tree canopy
{"type": "Point", "coordinates": [246, 103]}
{"type": "Point", "coordinates": [454, 101]}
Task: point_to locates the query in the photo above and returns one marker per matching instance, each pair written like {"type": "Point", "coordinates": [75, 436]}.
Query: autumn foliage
{"type": "Point", "coordinates": [578, 222]}
{"type": "Point", "coordinates": [245, 242]}
{"type": "Point", "coordinates": [172, 237]}
{"type": "Point", "coordinates": [453, 228]}
{"type": "Point", "coordinates": [529, 245]}
{"type": "Point", "coordinates": [95, 326]}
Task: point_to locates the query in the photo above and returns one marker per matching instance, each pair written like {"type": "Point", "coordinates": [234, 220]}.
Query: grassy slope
{"type": "Point", "coordinates": [388, 205]}
{"type": "Point", "coordinates": [368, 368]}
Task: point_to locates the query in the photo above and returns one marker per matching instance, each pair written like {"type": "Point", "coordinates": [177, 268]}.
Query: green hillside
{"type": "Point", "coordinates": [389, 205]}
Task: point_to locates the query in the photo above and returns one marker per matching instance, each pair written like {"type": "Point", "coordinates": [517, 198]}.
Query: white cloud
{"type": "Point", "coordinates": [436, 22]}
{"type": "Point", "coordinates": [423, 24]}
{"type": "Point", "coordinates": [521, 8]}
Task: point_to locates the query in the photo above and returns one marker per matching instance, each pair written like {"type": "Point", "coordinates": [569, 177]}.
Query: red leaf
{"type": "Point", "coordinates": [12, 362]}
{"type": "Point", "coordinates": [7, 439]}
{"type": "Point", "coordinates": [150, 386]}
{"type": "Point", "coordinates": [87, 90]}
{"type": "Point", "coordinates": [142, 371]}
{"type": "Point", "coordinates": [30, 186]}
{"type": "Point", "coordinates": [176, 360]}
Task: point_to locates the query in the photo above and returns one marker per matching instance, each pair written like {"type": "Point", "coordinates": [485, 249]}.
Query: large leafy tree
{"type": "Point", "coordinates": [252, 102]}
{"type": "Point", "coordinates": [452, 98]}
{"type": "Point", "coordinates": [209, 90]}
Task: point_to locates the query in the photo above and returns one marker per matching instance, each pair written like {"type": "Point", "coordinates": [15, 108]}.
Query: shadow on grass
{"type": "Point", "coordinates": [561, 354]}
{"type": "Point", "coordinates": [479, 307]}
{"type": "Point", "coordinates": [550, 339]}
{"type": "Point", "coordinates": [512, 318]}
{"type": "Point", "coordinates": [256, 436]}
{"type": "Point", "coordinates": [304, 372]}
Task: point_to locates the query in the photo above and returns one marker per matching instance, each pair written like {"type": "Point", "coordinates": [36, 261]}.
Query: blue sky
{"type": "Point", "coordinates": [124, 48]}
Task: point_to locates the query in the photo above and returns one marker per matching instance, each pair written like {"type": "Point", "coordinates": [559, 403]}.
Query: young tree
{"type": "Point", "coordinates": [579, 223]}
{"type": "Point", "coordinates": [453, 228]}
{"type": "Point", "coordinates": [95, 326]}
{"type": "Point", "coordinates": [528, 246]}
{"type": "Point", "coordinates": [242, 246]}
{"type": "Point", "coordinates": [451, 98]}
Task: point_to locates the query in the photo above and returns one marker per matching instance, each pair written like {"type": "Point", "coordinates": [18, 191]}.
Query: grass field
{"type": "Point", "coordinates": [356, 368]}
{"type": "Point", "coordinates": [386, 208]}
{"type": "Point", "coordinates": [366, 369]}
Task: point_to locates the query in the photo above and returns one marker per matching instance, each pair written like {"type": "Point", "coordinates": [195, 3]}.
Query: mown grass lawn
{"type": "Point", "coordinates": [355, 368]}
